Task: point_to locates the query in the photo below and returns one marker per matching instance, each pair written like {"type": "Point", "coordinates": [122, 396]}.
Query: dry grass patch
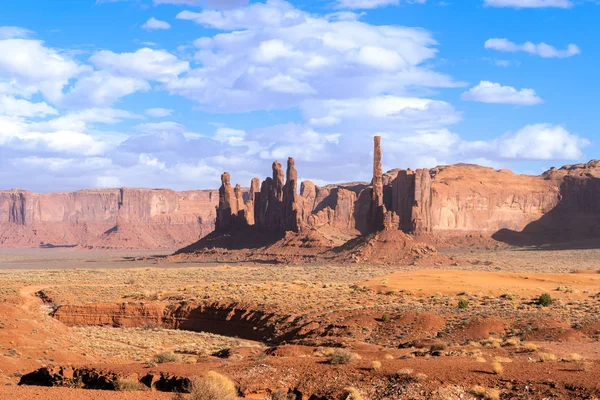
{"type": "Point", "coordinates": [485, 393]}
{"type": "Point", "coordinates": [497, 368]}
{"type": "Point", "coordinates": [546, 357]}
{"type": "Point", "coordinates": [573, 357]}
{"type": "Point", "coordinates": [342, 356]}
{"type": "Point", "coordinates": [351, 393]}
{"type": "Point", "coordinates": [376, 365]}
{"type": "Point", "coordinates": [213, 386]}
{"type": "Point", "coordinates": [166, 357]}
{"type": "Point", "coordinates": [126, 385]}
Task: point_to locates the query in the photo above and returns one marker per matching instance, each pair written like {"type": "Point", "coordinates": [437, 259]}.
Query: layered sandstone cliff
{"type": "Point", "coordinates": [107, 218]}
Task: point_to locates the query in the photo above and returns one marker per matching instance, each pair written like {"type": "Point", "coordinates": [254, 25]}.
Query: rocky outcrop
{"type": "Point", "coordinates": [106, 218]}
{"type": "Point", "coordinates": [466, 198]}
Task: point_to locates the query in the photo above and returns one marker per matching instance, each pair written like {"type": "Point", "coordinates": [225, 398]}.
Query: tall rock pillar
{"type": "Point", "coordinates": [292, 210]}
{"type": "Point", "coordinates": [252, 198]}
{"type": "Point", "coordinates": [227, 208]}
{"type": "Point", "coordinates": [377, 207]}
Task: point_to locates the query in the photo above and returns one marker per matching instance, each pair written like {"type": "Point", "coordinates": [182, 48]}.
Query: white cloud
{"type": "Point", "coordinates": [166, 126]}
{"type": "Point", "coordinates": [541, 49]}
{"type": "Point", "coordinates": [542, 142]}
{"type": "Point", "coordinates": [224, 4]}
{"type": "Point", "coordinates": [529, 3]}
{"type": "Point", "coordinates": [367, 4]}
{"type": "Point", "coordinates": [11, 106]}
{"type": "Point", "coordinates": [14, 32]}
{"type": "Point", "coordinates": [279, 56]}
{"type": "Point", "coordinates": [101, 89]}
{"type": "Point", "coordinates": [159, 112]}
{"type": "Point", "coordinates": [28, 67]}
{"type": "Point", "coordinates": [145, 63]}
{"type": "Point", "coordinates": [154, 24]}
{"type": "Point", "coordinates": [490, 92]}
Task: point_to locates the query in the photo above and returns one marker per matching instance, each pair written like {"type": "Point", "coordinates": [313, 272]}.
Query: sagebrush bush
{"type": "Point", "coordinates": [341, 356]}
{"type": "Point", "coordinates": [166, 357]}
{"type": "Point", "coordinates": [463, 304]}
{"type": "Point", "coordinates": [125, 385]}
{"type": "Point", "coordinates": [213, 386]}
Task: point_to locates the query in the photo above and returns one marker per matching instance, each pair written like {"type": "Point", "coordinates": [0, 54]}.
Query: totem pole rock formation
{"type": "Point", "coordinates": [228, 206]}
{"type": "Point", "coordinates": [277, 206]}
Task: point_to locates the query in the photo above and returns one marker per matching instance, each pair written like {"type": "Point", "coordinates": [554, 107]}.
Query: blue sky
{"type": "Point", "coordinates": [170, 93]}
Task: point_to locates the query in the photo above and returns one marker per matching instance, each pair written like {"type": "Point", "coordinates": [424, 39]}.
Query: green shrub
{"type": "Point", "coordinates": [545, 300]}
{"type": "Point", "coordinates": [385, 318]}
{"type": "Point", "coordinates": [463, 304]}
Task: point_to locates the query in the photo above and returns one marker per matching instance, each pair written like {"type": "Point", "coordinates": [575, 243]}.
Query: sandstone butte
{"type": "Point", "coordinates": [560, 205]}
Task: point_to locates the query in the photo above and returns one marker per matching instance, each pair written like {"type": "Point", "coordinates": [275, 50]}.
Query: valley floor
{"type": "Point", "coordinates": [471, 330]}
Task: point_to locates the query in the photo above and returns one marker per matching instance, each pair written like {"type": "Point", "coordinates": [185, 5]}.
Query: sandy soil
{"type": "Point", "coordinates": [453, 283]}
{"type": "Point", "coordinates": [388, 315]}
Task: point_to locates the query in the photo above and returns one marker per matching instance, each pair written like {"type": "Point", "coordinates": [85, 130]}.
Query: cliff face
{"type": "Point", "coordinates": [111, 218]}
{"type": "Point", "coordinates": [469, 198]}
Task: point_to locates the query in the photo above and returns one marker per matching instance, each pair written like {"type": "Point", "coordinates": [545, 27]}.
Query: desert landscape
{"type": "Point", "coordinates": [459, 282]}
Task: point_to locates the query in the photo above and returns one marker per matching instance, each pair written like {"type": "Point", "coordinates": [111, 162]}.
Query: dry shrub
{"type": "Point", "coordinates": [405, 372]}
{"type": "Point", "coordinates": [375, 365]}
{"type": "Point", "coordinates": [420, 377]}
{"type": "Point", "coordinates": [513, 341]}
{"type": "Point", "coordinates": [341, 357]}
{"type": "Point", "coordinates": [529, 348]}
{"type": "Point", "coordinates": [351, 393]}
{"type": "Point", "coordinates": [213, 386]}
{"type": "Point", "coordinates": [166, 357]}
{"type": "Point", "coordinates": [388, 357]}
{"type": "Point", "coordinates": [485, 393]}
{"type": "Point", "coordinates": [545, 357]}
{"type": "Point", "coordinates": [497, 368]}
{"type": "Point", "coordinates": [282, 395]}
{"type": "Point", "coordinates": [480, 359]}
{"type": "Point", "coordinates": [573, 357]}
{"type": "Point", "coordinates": [126, 385]}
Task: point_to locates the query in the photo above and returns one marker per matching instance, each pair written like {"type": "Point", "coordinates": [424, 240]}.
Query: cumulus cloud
{"type": "Point", "coordinates": [490, 92]}
{"type": "Point", "coordinates": [542, 142]}
{"type": "Point", "coordinates": [101, 89]}
{"type": "Point", "coordinates": [541, 49]}
{"type": "Point", "coordinates": [28, 67]}
{"type": "Point", "coordinates": [279, 56]}
{"type": "Point", "coordinates": [154, 24]}
{"type": "Point", "coordinates": [529, 3]}
{"type": "Point", "coordinates": [367, 4]}
{"type": "Point", "coordinates": [159, 112]}
{"type": "Point", "coordinates": [224, 4]}
{"type": "Point", "coordinates": [145, 63]}
{"type": "Point", "coordinates": [12, 106]}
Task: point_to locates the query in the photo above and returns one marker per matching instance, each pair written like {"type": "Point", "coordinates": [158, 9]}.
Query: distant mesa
{"type": "Point", "coordinates": [442, 206]}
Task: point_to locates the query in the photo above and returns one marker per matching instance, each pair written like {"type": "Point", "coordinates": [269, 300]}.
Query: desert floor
{"type": "Point", "coordinates": [279, 329]}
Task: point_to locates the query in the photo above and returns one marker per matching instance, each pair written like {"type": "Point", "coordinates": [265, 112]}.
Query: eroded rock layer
{"type": "Point", "coordinates": [106, 218]}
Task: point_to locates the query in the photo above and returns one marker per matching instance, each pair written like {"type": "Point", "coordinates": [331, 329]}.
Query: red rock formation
{"type": "Point", "coordinates": [377, 207]}
{"type": "Point", "coordinates": [228, 205]}
{"type": "Point", "coordinates": [293, 208]}
{"type": "Point", "coordinates": [465, 198]}
{"type": "Point", "coordinates": [250, 204]}
{"type": "Point", "coordinates": [106, 218]}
